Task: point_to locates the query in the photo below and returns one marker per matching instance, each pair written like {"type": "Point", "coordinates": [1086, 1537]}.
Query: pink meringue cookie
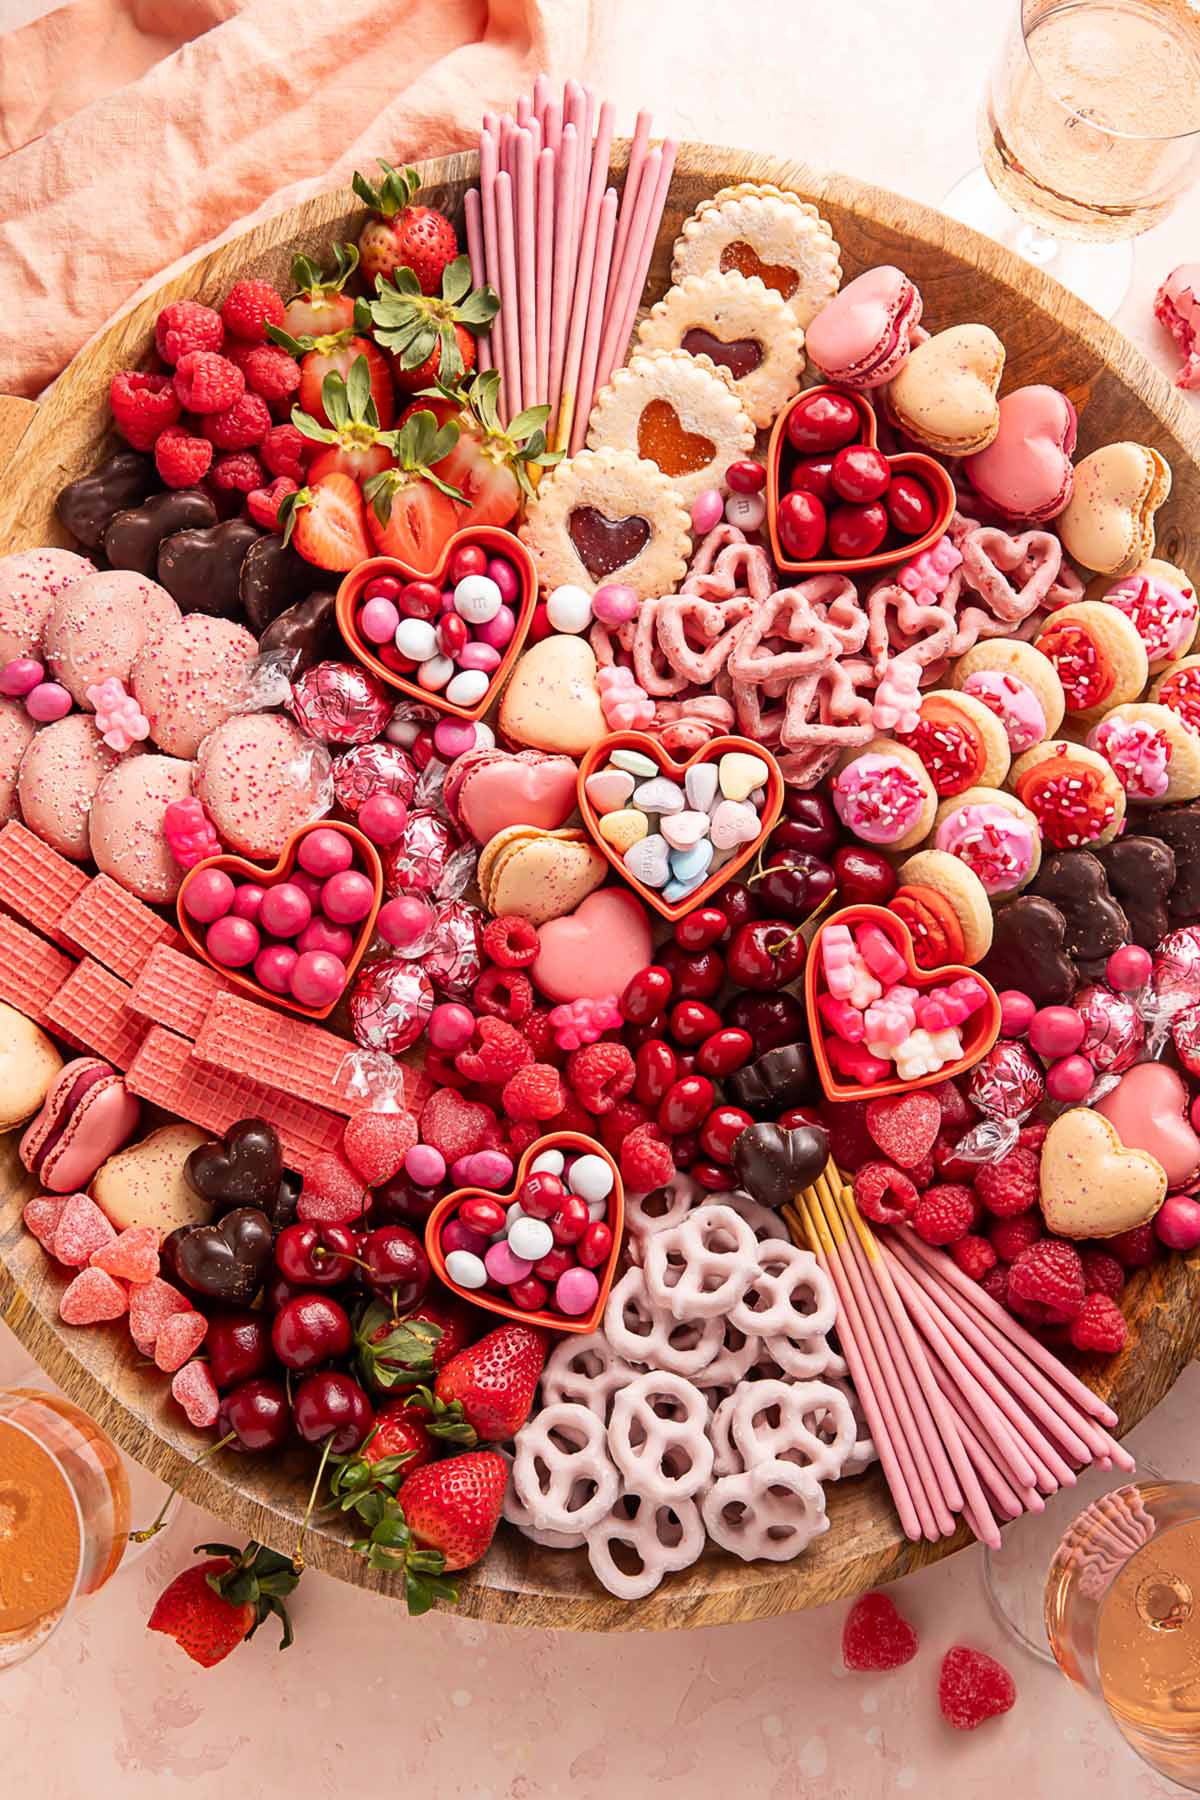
{"type": "Point", "coordinates": [1177, 307]}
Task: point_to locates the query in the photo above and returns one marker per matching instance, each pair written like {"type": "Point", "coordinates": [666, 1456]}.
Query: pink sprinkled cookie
{"type": "Point", "coordinates": [30, 583]}
{"type": "Point", "coordinates": [16, 734]}
{"type": "Point", "coordinates": [1072, 793]}
{"type": "Point", "coordinates": [100, 625]}
{"type": "Point", "coordinates": [1026, 471]}
{"type": "Point", "coordinates": [884, 796]}
{"type": "Point", "coordinates": [126, 825]}
{"type": "Point", "coordinates": [1178, 687]}
{"type": "Point", "coordinates": [60, 773]}
{"type": "Point", "coordinates": [1160, 601]}
{"type": "Point", "coordinates": [1018, 684]}
{"type": "Point", "coordinates": [863, 337]}
{"type": "Point", "coordinates": [1177, 307]}
{"type": "Point", "coordinates": [191, 680]}
{"type": "Point", "coordinates": [260, 778]}
{"type": "Point", "coordinates": [1155, 756]}
{"type": "Point", "coordinates": [994, 835]}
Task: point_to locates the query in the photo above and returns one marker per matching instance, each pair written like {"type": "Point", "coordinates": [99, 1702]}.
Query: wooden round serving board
{"type": "Point", "coordinates": [1050, 337]}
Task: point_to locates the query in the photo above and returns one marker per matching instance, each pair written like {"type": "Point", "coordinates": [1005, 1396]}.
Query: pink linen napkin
{"type": "Point", "coordinates": [135, 133]}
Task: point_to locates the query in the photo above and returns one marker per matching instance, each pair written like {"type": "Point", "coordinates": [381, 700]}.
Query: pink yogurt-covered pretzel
{"type": "Point", "coordinates": [700, 1269]}
{"type": "Point", "coordinates": [562, 1472]}
{"type": "Point", "coordinates": [779, 1420]}
{"type": "Point", "coordinates": [774, 1510]}
{"type": "Point", "coordinates": [517, 1513]}
{"type": "Point", "coordinates": [788, 1297]}
{"type": "Point", "coordinates": [697, 636]}
{"type": "Point", "coordinates": [737, 1356]}
{"type": "Point", "coordinates": [662, 1536]}
{"type": "Point", "coordinates": [642, 1332]}
{"type": "Point", "coordinates": [803, 1358]}
{"type": "Point", "coordinates": [725, 564]}
{"type": "Point", "coordinates": [863, 1453]}
{"type": "Point", "coordinates": [990, 556]}
{"type": "Point", "coordinates": [764, 1223]}
{"type": "Point", "coordinates": [585, 1371]}
{"type": "Point", "coordinates": [659, 1209]}
{"type": "Point", "coordinates": [657, 1437]}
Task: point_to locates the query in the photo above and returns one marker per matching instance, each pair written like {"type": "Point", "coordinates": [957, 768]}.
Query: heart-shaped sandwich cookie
{"type": "Point", "coordinates": [1148, 1110]}
{"type": "Point", "coordinates": [757, 229]}
{"type": "Point", "coordinates": [538, 875]}
{"type": "Point", "coordinates": [595, 952]}
{"type": "Point", "coordinates": [1109, 523]}
{"type": "Point", "coordinates": [681, 414]}
{"type": "Point", "coordinates": [1026, 471]}
{"type": "Point", "coordinates": [863, 337]}
{"type": "Point", "coordinates": [1091, 1184]}
{"type": "Point", "coordinates": [488, 790]}
{"type": "Point", "coordinates": [945, 395]}
{"type": "Point", "coordinates": [608, 515]}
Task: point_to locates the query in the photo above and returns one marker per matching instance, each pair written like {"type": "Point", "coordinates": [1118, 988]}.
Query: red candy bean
{"type": "Point", "coordinates": [856, 531]}
{"type": "Point", "coordinates": [909, 506]}
{"type": "Point", "coordinates": [482, 1215]}
{"type": "Point", "coordinates": [726, 1050]}
{"type": "Point", "coordinates": [721, 1129]}
{"type": "Point", "coordinates": [685, 1104]}
{"type": "Point", "coordinates": [646, 995]}
{"type": "Point", "coordinates": [541, 1195]}
{"type": "Point", "coordinates": [822, 422]}
{"type": "Point", "coordinates": [801, 520]}
{"type": "Point", "coordinates": [595, 1245]}
{"type": "Point", "coordinates": [657, 1067]}
{"type": "Point", "coordinates": [570, 1221]}
{"type": "Point", "coordinates": [860, 473]}
{"type": "Point", "coordinates": [530, 1295]}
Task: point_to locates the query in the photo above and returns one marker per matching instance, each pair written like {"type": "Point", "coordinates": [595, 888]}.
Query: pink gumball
{"type": "Point", "coordinates": [318, 978]}
{"type": "Point", "coordinates": [324, 852]}
{"type": "Point", "coordinates": [1056, 1031]}
{"type": "Point", "coordinates": [320, 934]}
{"type": "Point", "coordinates": [405, 921]}
{"type": "Point", "coordinates": [248, 900]}
{"type": "Point", "coordinates": [505, 577]}
{"type": "Point", "coordinates": [1070, 1080]}
{"type": "Point", "coordinates": [451, 1026]}
{"type": "Point", "coordinates": [497, 631]}
{"type": "Point", "coordinates": [1016, 1011]}
{"type": "Point", "coordinates": [273, 967]}
{"type": "Point", "coordinates": [1128, 969]}
{"type": "Point", "coordinates": [208, 896]}
{"type": "Point", "coordinates": [1177, 1222]}
{"type": "Point", "coordinates": [232, 942]}
{"type": "Point", "coordinates": [309, 885]}
{"type": "Point", "coordinates": [347, 897]}
{"type": "Point", "coordinates": [382, 817]}
{"type": "Point", "coordinates": [47, 702]}
{"type": "Point", "coordinates": [285, 910]}
{"type": "Point", "coordinates": [614, 603]}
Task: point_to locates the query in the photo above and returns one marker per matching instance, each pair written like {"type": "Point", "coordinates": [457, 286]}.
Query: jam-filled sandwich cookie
{"type": "Point", "coordinates": [945, 395]}
{"type": "Point", "coordinates": [755, 229]}
{"type": "Point", "coordinates": [994, 834]}
{"type": "Point", "coordinates": [936, 887]}
{"type": "Point", "coordinates": [608, 515]}
{"type": "Point", "coordinates": [739, 324]}
{"type": "Point", "coordinates": [1179, 688]}
{"type": "Point", "coordinates": [1161, 602]}
{"type": "Point", "coordinates": [1018, 684]}
{"type": "Point", "coordinates": [1098, 655]}
{"type": "Point", "coordinates": [883, 795]}
{"type": "Point", "coordinates": [864, 337]}
{"type": "Point", "coordinates": [1155, 756]}
{"type": "Point", "coordinates": [1108, 524]}
{"type": "Point", "coordinates": [960, 741]}
{"type": "Point", "coordinates": [681, 414]}
{"type": "Point", "coordinates": [1072, 792]}
{"type": "Point", "coordinates": [1026, 471]}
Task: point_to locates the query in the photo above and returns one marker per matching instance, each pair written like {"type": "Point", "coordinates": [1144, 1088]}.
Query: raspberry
{"type": "Point", "coordinates": [510, 942]}
{"type": "Point", "coordinates": [538, 1031]}
{"type": "Point", "coordinates": [905, 1126]}
{"type": "Point", "coordinates": [922, 1173]}
{"type": "Point", "coordinates": [850, 1143]}
{"type": "Point", "coordinates": [250, 306]}
{"type": "Point", "coordinates": [283, 450]}
{"type": "Point", "coordinates": [187, 325]}
{"type": "Point", "coordinates": [240, 426]}
{"type": "Point", "coordinates": [1099, 1326]}
{"type": "Point", "coordinates": [1033, 1135]}
{"type": "Point", "coordinates": [495, 1055]}
{"type": "Point", "coordinates": [272, 373]}
{"type": "Point", "coordinates": [91, 1297]}
{"type": "Point", "coordinates": [239, 352]}
{"type": "Point", "coordinates": [206, 383]}
{"type": "Point", "coordinates": [42, 1215]}
{"type": "Point", "coordinates": [616, 1125]}
{"type": "Point", "coordinates": [1010, 1236]}
{"type": "Point", "coordinates": [264, 503]}
{"type": "Point", "coordinates": [142, 407]}
{"type": "Point", "coordinates": [944, 1213]}
{"type": "Point", "coordinates": [181, 459]}
{"type": "Point", "coordinates": [876, 1637]}
{"type": "Point", "coordinates": [957, 1111]}
{"type": "Point", "coordinates": [441, 1071]}
{"type": "Point", "coordinates": [133, 1255]}
{"type": "Point", "coordinates": [332, 1193]}
{"type": "Point", "coordinates": [1045, 1284]}
{"type": "Point", "coordinates": [601, 1074]}
{"type": "Point", "coordinates": [240, 472]}
{"type": "Point", "coordinates": [455, 1126]}
{"type": "Point", "coordinates": [180, 1337]}
{"type": "Point", "coordinates": [1102, 1273]}
{"type": "Point", "coordinates": [885, 1195]}
{"type": "Point", "coordinates": [1134, 1249]}
{"type": "Point", "coordinates": [151, 1304]}
{"type": "Point", "coordinates": [376, 1143]}
{"type": "Point", "coordinates": [974, 1256]}
{"type": "Point", "coordinates": [534, 1092]}
{"type": "Point", "coordinates": [193, 1387]}
{"type": "Point", "coordinates": [572, 1118]}
{"type": "Point", "coordinates": [973, 1687]}
{"type": "Point", "coordinates": [82, 1228]}
{"type": "Point", "coordinates": [948, 1163]}
{"type": "Point", "coordinates": [995, 1283]}
{"type": "Point", "coordinates": [646, 1159]}
{"type": "Point", "coordinates": [1011, 1185]}
{"type": "Point", "coordinates": [522, 1135]}
{"type": "Point", "coordinates": [504, 994]}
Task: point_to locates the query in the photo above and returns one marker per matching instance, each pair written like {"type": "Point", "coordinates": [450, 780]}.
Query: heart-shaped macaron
{"type": "Point", "coordinates": [552, 702]}
{"type": "Point", "coordinates": [945, 395]}
{"type": "Point", "coordinates": [1109, 524]}
{"type": "Point", "coordinates": [197, 921]}
{"type": "Point", "coordinates": [707, 801]}
{"type": "Point", "coordinates": [568, 1145]}
{"type": "Point", "coordinates": [782, 460]}
{"type": "Point", "coordinates": [1026, 471]}
{"type": "Point", "coordinates": [1148, 1110]}
{"type": "Point", "coordinates": [537, 875]}
{"type": "Point", "coordinates": [488, 790]}
{"type": "Point", "coordinates": [493, 542]}
{"type": "Point", "coordinates": [979, 1031]}
{"type": "Point", "coordinates": [595, 951]}
{"type": "Point", "coordinates": [1091, 1185]}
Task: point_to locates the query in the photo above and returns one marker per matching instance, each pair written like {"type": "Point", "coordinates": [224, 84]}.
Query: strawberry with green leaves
{"type": "Point", "coordinates": [319, 307]}
{"type": "Point", "coordinates": [431, 338]}
{"type": "Point", "coordinates": [396, 1448]}
{"type": "Point", "coordinates": [443, 1518]}
{"type": "Point", "coordinates": [483, 1394]}
{"type": "Point", "coordinates": [355, 444]}
{"type": "Point", "coordinates": [398, 1353]}
{"type": "Point", "coordinates": [411, 511]}
{"type": "Point", "coordinates": [326, 521]}
{"type": "Point", "coordinates": [401, 234]}
{"type": "Point", "coordinates": [492, 465]}
{"type": "Point", "coordinates": [336, 352]}
{"type": "Point", "coordinates": [212, 1608]}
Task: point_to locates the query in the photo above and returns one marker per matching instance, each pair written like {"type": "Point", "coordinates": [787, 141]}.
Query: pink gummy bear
{"type": "Point", "coordinates": [626, 705]}
{"type": "Point", "coordinates": [928, 575]}
{"type": "Point", "coordinates": [896, 705]}
{"type": "Point", "coordinates": [880, 954]}
{"type": "Point", "coordinates": [946, 1007]}
{"type": "Point", "coordinates": [842, 1018]}
{"type": "Point", "coordinates": [190, 833]}
{"type": "Point", "coordinates": [856, 1061]}
{"type": "Point", "coordinates": [119, 719]}
{"type": "Point", "coordinates": [838, 960]}
{"type": "Point", "coordinates": [580, 1022]}
{"type": "Point", "coordinates": [889, 1021]}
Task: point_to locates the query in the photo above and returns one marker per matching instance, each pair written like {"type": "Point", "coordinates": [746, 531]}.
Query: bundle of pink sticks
{"type": "Point", "coordinates": [568, 260]}
{"type": "Point", "coordinates": [970, 1414]}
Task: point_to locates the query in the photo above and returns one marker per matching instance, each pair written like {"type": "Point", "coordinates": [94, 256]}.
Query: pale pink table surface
{"type": "Point", "coordinates": [368, 1701]}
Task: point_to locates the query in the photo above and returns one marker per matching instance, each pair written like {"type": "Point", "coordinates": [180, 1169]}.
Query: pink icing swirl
{"type": "Point", "coordinates": [878, 798]}
{"type": "Point", "coordinates": [1138, 754]}
{"type": "Point", "coordinates": [991, 841]}
{"type": "Point", "coordinates": [1014, 703]}
{"type": "Point", "coordinates": [1163, 616]}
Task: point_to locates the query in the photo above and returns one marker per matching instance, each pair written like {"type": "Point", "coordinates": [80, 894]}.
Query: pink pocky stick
{"type": "Point", "coordinates": [541, 96]}
{"type": "Point", "coordinates": [564, 264]}
{"type": "Point", "coordinates": [473, 211]}
{"type": "Point", "coordinates": [1005, 1497]}
{"type": "Point", "coordinates": [658, 201]}
{"type": "Point", "coordinates": [511, 396]}
{"type": "Point", "coordinates": [633, 174]}
{"type": "Point", "coordinates": [552, 125]}
{"type": "Point", "coordinates": [601, 267]}
{"type": "Point", "coordinates": [626, 274]}
{"type": "Point", "coordinates": [526, 247]}
{"type": "Point", "coordinates": [489, 157]}
{"type": "Point", "coordinates": [524, 109]}
{"type": "Point", "coordinates": [584, 277]}
{"type": "Point", "coordinates": [545, 272]}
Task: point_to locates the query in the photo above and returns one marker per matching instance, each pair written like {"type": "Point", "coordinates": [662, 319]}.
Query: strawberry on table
{"type": "Point", "coordinates": [319, 306]}
{"type": "Point", "coordinates": [431, 338]}
{"type": "Point", "coordinates": [326, 522]}
{"type": "Point", "coordinates": [354, 443]}
{"type": "Point", "coordinates": [337, 352]}
{"type": "Point", "coordinates": [212, 1608]}
{"type": "Point", "coordinates": [400, 234]}
{"type": "Point", "coordinates": [484, 1393]}
{"type": "Point", "coordinates": [411, 512]}
{"type": "Point", "coordinates": [491, 463]}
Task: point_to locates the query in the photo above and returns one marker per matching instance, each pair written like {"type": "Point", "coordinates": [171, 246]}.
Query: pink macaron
{"type": "Point", "coordinates": [260, 778]}
{"type": "Point", "coordinates": [30, 582]}
{"type": "Point", "coordinates": [125, 829]}
{"type": "Point", "coordinates": [862, 338]}
{"type": "Point", "coordinates": [60, 774]}
{"type": "Point", "coordinates": [191, 680]}
{"type": "Point", "coordinates": [87, 1116]}
{"type": "Point", "coordinates": [1026, 471]}
{"type": "Point", "coordinates": [100, 625]}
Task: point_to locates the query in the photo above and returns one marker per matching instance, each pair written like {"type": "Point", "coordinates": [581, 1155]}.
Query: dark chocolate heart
{"type": "Point", "coordinates": [229, 1259]}
{"type": "Point", "coordinates": [1141, 874]}
{"type": "Point", "coordinates": [1179, 828]}
{"type": "Point", "coordinates": [741, 356]}
{"type": "Point", "coordinates": [201, 570]}
{"type": "Point", "coordinates": [88, 506]}
{"type": "Point", "coordinates": [132, 538]}
{"type": "Point", "coordinates": [776, 1082]}
{"type": "Point", "coordinates": [1027, 952]}
{"type": "Point", "coordinates": [605, 545]}
{"type": "Point", "coordinates": [305, 634]}
{"type": "Point", "coordinates": [273, 577]}
{"type": "Point", "coordinates": [1075, 882]}
{"type": "Point", "coordinates": [244, 1168]}
{"type": "Point", "coordinates": [773, 1164]}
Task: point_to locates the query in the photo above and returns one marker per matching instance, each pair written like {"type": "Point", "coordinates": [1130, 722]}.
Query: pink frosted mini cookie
{"type": "Point", "coordinates": [1161, 603]}
{"type": "Point", "coordinates": [994, 835]}
{"type": "Point", "coordinates": [885, 797]}
{"type": "Point", "coordinates": [1153, 753]}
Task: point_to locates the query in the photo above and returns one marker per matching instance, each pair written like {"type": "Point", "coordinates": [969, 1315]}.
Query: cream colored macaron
{"type": "Point", "coordinates": [29, 1063]}
{"type": "Point", "coordinates": [538, 875]}
{"type": "Point", "coordinates": [1108, 523]}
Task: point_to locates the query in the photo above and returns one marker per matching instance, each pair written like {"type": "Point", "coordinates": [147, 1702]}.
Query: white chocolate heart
{"type": "Point", "coordinates": [1091, 1185]}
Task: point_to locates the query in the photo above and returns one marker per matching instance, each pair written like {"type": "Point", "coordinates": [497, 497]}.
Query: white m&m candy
{"type": "Point", "coordinates": [477, 599]}
{"type": "Point", "coordinates": [590, 1177]}
{"type": "Point", "coordinates": [467, 687]}
{"type": "Point", "coordinates": [435, 673]}
{"type": "Point", "coordinates": [465, 1268]}
{"type": "Point", "coordinates": [531, 1239]}
{"type": "Point", "coordinates": [569, 608]}
{"type": "Point", "coordinates": [416, 638]}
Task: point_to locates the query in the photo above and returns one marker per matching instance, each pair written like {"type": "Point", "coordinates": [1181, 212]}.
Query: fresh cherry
{"type": "Point", "coordinates": [812, 815]}
{"type": "Point", "coordinates": [771, 1019]}
{"type": "Point", "coordinates": [909, 506]}
{"type": "Point", "coordinates": [719, 1132]}
{"type": "Point", "coordinates": [811, 476]}
{"type": "Point", "coordinates": [860, 473]}
{"type": "Point", "coordinates": [401, 1202]}
{"type": "Point", "coordinates": [739, 906]}
{"type": "Point", "coordinates": [541, 1194]}
{"type": "Point", "coordinates": [701, 929]}
{"type": "Point", "coordinates": [396, 1265]}
{"type": "Point", "coordinates": [767, 954]}
{"type": "Point", "coordinates": [258, 1414]}
{"type": "Point", "coordinates": [685, 1149]}
{"type": "Point", "coordinates": [656, 1068]}
{"type": "Point", "coordinates": [646, 995]}
{"type": "Point", "coordinates": [728, 1048]}
{"type": "Point", "coordinates": [801, 1115]}
{"type": "Point", "coordinates": [822, 421]}
{"type": "Point", "coordinates": [695, 974]}
{"type": "Point", "coordinates": [277, 1293]}
{"type": "Point", "coordinates": [238, 1346]}
{"type": "Point", "coordinates": [712, 1177]}
{"type": "Point", "coordinates": [864, 877]}
{"type": "Point", "coordinates": [856, 531]}
{"type": "Point", "coordinates": [692, 1021]}
{"type": "Point", "coordinates": [801, 521]}
{"type": "Point", "coordinates": [745, 477]}
{"type": "Point", "coordinates": [316, 1255]}
{"type": "Point", "coordinates": [570, 1221]}
{"type": "Point", "coordinates": [793, 884]}
{"type": "Point", "coordinates": [334, 1407]}
{"type": "Point", "coordinates": [310, 1329]}
{"type": "Point", "coordinates": [685, 1104]}
{"type": "Point", "coordinates": [530, 1294]}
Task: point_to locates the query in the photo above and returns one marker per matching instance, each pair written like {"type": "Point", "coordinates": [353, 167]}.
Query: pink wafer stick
{"type": "Point", "coordinates": [541, 95]}
{"type": "Point", "coordinates": [578, 108]}
{"type": "Point", "coordinates": [633, 174]}
{"type": "Point", "coordinates": [564, 265]}
{"type": "Point", "coordinates": [601, 266]}
{"type": "Point", "coordinates": [612, 345]}
{"type": "Point", "coordinates": [526, 248]}
{"type": "Point", "coordinates": [545, 272]}
{"type": "Point", "coordinates": [951, 1275]}
{"type": "Point", "coordinates": [1004, 1494]}
{"type": "Point", "coordinates": [488, 167]}
{"type": "Point", "coordinates": [473, 210]}
{"type": "Point", "coordinates": [552, 125]}
{"type": "Point", "coordinates": [658, 201]}
{"type": "Point", "coordinates": [511, 395]}
{"type": "Point", "coordinates": [508, 146]}
{"type": "Point", "coordinates": [491, 123]}
{"type": "Point", "coordinates": [524, 109]}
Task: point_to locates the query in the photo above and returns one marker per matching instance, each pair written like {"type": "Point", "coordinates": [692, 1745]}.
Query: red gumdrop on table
{"type": "Point", "coordinates": [801, 521]}
{"type": "Point", "coordinates": [909, 506]}
{"type": "Point", "coordinates": [856, 531]}
{"type": "Point", "coordinates": [860, 473]}
{"type": "Point", "coordinates": [822, 422]}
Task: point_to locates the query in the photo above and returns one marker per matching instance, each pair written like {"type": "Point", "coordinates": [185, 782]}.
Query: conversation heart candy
{"type": "Point", "coordinates": [684, 829]}
{"type": "Point", "coordinates": [700, 785]}
{"type": "Point", "coordinates": [648, 861]}
{"type": "Point", "coordinates": [659, 796]}
{"type": "Point", "coordinates": [740, 774]}
{"type": "Point", "coordinates": [609, 789]}
{"type": "Point", "coordinates": [623, 829]}
{"type": "Point", "coordinates": [733, 823]}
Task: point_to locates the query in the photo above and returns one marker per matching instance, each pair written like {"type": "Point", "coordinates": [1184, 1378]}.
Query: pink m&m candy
{"type": "Point", "coordinates": [504, 575]}
{"type": "Point", "coordinates": [20, 676]}
{"type": "Point", "coordinates": [285, 909]}
{"type": "Point", "coordinates": [575, 1290]}
{"type": "Point", "coordinates": [498, 630]}
{"type": "Point", "coordinates": [273, 967]}
{"type": "Point", "coordinates": [348, 897]}
{"type": "Point", "coordinates": [378, 621]}
{"type": "Point", "coordinates": [503, 1266]}
{"type": "Point", "coordinates": [209, 895]}
{"type": "Point", "coordinates": [425, 1165]}
{"type": "Point", "coordinates": [232, 942]}
{"type": "Point", "coordinates": [47, 702]}
{"type": "Point", "coordinates": [707, 509]}
{"type": "Point", "coordinates": [324, 852]}
{"type": "Point", "coordinates": [482, 658]}
{"type": "Point", "coordinates": [615, 603]}
{"type": "Point", "coordinates": [318, 978]}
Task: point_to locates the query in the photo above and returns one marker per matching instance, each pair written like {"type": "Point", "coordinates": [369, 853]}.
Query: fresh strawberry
{"type": "Point", "coordinates": [432, 339]}
{"type": "Point", "coordinates": [394, 1353]}
{"type": "Point", "coordinates": [396, 1448]}
{"type": "Point", "coordinates": [263, 503]}
{"type": "Point", "coordinates": [399, 233]}
{"type": "Point", "coordinates": [212, 1608]}
{"type": "Point", "coordinates": [412, 513]}
{"type": "Point", "coordinates": [318, 307]}
{"type": "Point", "coordinates": [483, 1394]}
{"type": "Point", "coordinates": [491, 463]}
{"type": "Point", "coordinates": [454, 1506]}
{"type": "Point", "coordinates": [326, 521]}
{"type": "Point", "coordinates": [355, 444]}
{"type": "Point", "coordinates": [337, 352]}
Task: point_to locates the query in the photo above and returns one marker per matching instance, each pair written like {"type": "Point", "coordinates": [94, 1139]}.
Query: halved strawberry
{"type": "Point", "coordinates": [432, 339]}
{"type": "Point", "coordinates": [336, 353]}
{"type": "Point", "coordinates": [412, 511]}
{"type": "Point", "coordinates": [356, 445]}
{"type": "Point", "coordinates": [401, 234]}
{"type": "Point", "coordinates": [319, 308]}
{"type": "Point", "coordinates": [326, 523]}
{"type": "Point", "coordinates": [491, 463]}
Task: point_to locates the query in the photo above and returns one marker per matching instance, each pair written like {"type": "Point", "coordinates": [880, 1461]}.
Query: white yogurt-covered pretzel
{"type": "Point", "coordinates": [518, 1514]}
{"type": "Point", "coordinates": [663, 1535]}
{"type": "Point", "coordinates": [727, 1458]}
{"type": "Point", "coordinates": [562, 1471]}
{"type": "Point", "coordinates": [644, 1333]}
{"type": "Point", "coordinates": [658, 1210]}
{"type": "Point", "coordinates": [702, 1267]}
{"type": "Point", "coordinates": [657, 1437]}
{"type": "Point", "coordinates": [586, 1371]}
{"type": "Point", "coordinates": [736, 1357]}
{"type": "Point", "coordinates": [764, 1223]}
{"type": "Point", "coordinates": [774, 1510]}
{"type": "Point", "coordinates": [803, 1422]}
{"type": "Point", "coordinates": [789, 1296]}
{"type": "Point", "coordinates": [803, 1358]}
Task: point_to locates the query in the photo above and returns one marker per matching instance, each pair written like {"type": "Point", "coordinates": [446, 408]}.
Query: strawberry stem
{"type": "Point", "coordinates": [152, 1530]}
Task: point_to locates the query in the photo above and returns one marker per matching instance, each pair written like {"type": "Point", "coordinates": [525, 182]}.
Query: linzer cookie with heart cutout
{"type": "Point", "coordinates": [756, 229]}
{"type": "Point", "coordinates": [608, 515]}
{"type": "Point", "coordinates": [738, 324]}
{"type": "Point", "coordinates": [681, 414]}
